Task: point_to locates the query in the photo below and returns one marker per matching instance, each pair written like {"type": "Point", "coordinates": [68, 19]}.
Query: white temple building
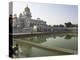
{"type": "Point", "coordinates": [24, 23]}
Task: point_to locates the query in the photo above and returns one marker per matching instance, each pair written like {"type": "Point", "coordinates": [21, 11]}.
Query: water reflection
{"type": "Point", "coordinates": [42, 38]}
{"type": "Point", "coordinates": [68, 37]}
{"type": "Point", "coordinates": [35, 39]}
{"type": "Point", "coordinates": [48, 40]}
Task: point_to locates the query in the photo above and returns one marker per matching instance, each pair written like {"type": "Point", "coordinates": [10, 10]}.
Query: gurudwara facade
{"type": "Point", "coordinates": [24, 23]}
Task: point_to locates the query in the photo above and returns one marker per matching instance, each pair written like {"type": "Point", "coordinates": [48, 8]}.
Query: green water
{"type": "Point", "coordinates": [67, 41]}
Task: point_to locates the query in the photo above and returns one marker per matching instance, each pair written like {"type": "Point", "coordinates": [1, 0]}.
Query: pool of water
{"type": "Point", "coordinates": [67, 41]}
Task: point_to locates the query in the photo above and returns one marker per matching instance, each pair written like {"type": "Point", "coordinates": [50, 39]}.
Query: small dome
{"type": "Point", "coordinates": [20, 15]}
{"type": "Point", "coordinates": [27, 9]}
{"type": "Point", "coordinates": [38, 18]}
{"type": "Point", "coordinates": [15, 16]}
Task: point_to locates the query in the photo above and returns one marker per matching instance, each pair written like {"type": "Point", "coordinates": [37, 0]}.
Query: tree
{"type": "Point", "coordinates": [61, 25]}
{"type": "Point", "coordinates": [69, 24]}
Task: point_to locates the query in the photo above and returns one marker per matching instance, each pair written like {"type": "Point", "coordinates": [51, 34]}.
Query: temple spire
{"type": "Point", "coordinates": [27, 4]}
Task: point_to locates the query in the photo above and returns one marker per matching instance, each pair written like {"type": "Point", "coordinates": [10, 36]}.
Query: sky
{"type": "Point", "coordinates": [53, 14]}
